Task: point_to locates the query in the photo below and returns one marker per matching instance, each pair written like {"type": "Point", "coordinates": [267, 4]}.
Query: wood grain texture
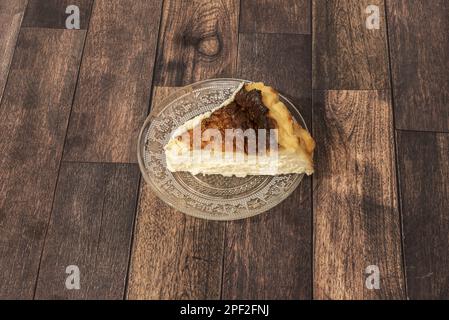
{"type": "Point", "coordinates": [33, 121]}
{"type": "Point", "coordinates": [174, 256]}
{"type": "Point", "coordinates": [281, 16]}
{"type": "Point", "coordinates": [346, 55]}
{"type": "Point", "coordinates": [424, 180]}
{"type": "Point", "coordinates": [114, 86]}
{"type": "Point", "coordinates": [198, 40]}
{"type": "Point", "coordinates": [52, 13]}
{"type": "Point", "coordinates": [11, 14]}
{"type": "Point", "coordinates": [270, 256]}
{"type": "Point", "coordinates": [356, 217]}
{"type": "Point", "coordinates": [419, 44]}
{"type": "Point", "coordinates": [91, 227]}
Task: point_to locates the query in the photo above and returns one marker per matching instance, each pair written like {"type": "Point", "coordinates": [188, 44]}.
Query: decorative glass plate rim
{"type": "Point", "coordinates": [166, 102]}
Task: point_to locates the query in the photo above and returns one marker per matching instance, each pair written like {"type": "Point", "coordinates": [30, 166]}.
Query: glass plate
{"type": "Point", "coordinates": [212, 197]}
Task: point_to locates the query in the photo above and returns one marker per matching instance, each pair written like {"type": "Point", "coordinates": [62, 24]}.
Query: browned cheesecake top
{"type": "Point", "coordinates": [246, 111]}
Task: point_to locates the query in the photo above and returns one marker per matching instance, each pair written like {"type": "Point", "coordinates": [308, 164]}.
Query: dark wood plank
{"type": "Point", "coordinates": [198, 40]}
{"type": "Point", "coordinates": [281, 16]}
{"type": "Point", "coordinates": [424, 180]}
{"type": "Point", "coordinates": [91, 227]}
{"type": "Point", "coordinates": [114, 87]}
{"type": "Point", "coordinates": [52, 13]}
{"type": "Point", "coordinates": [346, 55]}
{"type": "Point", "coordinates": [11, 14]}
{"type": "Point", "coordinates": [269, 256]}
{"type": "Point", "coordinates": [356, 217]}
{"type": "Point", "coordinates": [419, 44]}
{"type": "Point", "coordinates": [174, 256]}
{"type": "Point", "coordinates": [33, 121]}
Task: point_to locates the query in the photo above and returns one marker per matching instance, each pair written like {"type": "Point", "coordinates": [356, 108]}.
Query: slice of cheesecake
{"type": "Point", "coordinates": [251, 133]}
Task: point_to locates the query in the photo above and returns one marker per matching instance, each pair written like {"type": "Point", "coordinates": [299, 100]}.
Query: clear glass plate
{"type": "Point", "coordinates": [212, 197]}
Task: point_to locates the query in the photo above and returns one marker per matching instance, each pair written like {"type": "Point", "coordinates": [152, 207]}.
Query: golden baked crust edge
{"type": "Point", "coordinates": [291, 136]}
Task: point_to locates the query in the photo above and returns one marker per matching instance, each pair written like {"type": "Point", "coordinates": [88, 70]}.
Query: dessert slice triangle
{"type": "Point", "coordinates": [251, 133]}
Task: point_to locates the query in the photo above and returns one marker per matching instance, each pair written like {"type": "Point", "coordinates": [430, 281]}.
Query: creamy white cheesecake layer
{"type": "Point", "coordinates": [179, 157]}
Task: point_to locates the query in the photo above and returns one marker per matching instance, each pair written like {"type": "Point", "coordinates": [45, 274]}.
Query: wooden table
{"type": "Point", "coordinates": [73, 101]}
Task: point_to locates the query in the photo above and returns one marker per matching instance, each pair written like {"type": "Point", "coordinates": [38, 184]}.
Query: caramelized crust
{"type": "Point", "coordinates": [291, 136]}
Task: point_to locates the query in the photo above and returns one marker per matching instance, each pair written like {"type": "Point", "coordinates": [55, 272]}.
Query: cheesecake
{"type": "Point", "coordinates": [250, 133]}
